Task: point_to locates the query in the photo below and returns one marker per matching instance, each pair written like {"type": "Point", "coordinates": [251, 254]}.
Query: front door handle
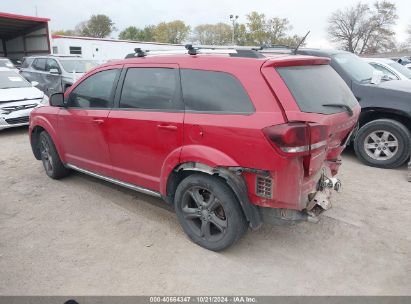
{"type": "Point", "coordinates": [98, 121]}
{"type": "Point", "coordinates": [167, 127]}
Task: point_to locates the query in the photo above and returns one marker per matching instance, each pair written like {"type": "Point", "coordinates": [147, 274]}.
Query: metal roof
{"type": "Point", "coordinates": [12, 25]}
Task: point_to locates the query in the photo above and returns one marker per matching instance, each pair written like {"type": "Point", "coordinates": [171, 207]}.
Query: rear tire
{"type": "Point", "coordinates": [383, 143]}
{"type": "Point", "coordinates": [50, 158]}
{"type": "Point", "coordinates": [209, 212]}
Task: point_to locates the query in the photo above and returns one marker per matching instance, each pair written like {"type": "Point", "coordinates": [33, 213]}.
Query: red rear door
{"type": "Point", "coordinates": [146, 127]}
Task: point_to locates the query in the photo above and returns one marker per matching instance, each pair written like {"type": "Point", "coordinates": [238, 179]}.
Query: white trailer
{"type": "Point", "coordinates": [22, 36]}
{"type": "Point", "coordinates": [103, 49]}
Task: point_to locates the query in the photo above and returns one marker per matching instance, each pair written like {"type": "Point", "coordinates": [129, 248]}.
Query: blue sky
{"type": "Point", "coordinates": [303, 15]}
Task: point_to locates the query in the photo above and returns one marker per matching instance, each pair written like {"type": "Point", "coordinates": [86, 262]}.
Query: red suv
{"type": "Point", "coordinates": [230, 140]}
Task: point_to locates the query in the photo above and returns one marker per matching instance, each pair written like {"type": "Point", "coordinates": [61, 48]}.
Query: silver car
{"type": "Point", "coordinates": [18, 98]}
{"type": "Point", "coordinates": [55, 73]}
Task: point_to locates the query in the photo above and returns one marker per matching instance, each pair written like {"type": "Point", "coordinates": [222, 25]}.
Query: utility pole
{"type": "Point", "coordinates": [233, 19]}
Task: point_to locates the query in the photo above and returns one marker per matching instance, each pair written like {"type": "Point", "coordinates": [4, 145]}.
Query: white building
{"type": "Point", "coordinates": [103, 49]}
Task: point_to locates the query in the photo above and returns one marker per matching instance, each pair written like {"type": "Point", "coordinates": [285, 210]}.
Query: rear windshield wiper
{"type": "Point", "coordinates": [340, 105]}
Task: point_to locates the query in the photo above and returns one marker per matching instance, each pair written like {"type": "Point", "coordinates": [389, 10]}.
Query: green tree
{"type": "Point", "coordinates": [171, 32]}
{"type": "Point", "coordinates": [129, 33]}
{"type": "Point", "coordinates": [64, 32]}
{"type": "Point", "coordinates": [260, 30]}
{"type": "Point", "coordinates": [257, 29]}
{"type": "Point", "coordinates": [98, 26]}
{"type": "Point", "coordinates": [241, 35]}
{"type": "Point", "coordinates": [213, 34]}
{"type": "Point", "coordinates": [364, 29]}
{"type": "Point", "coordinates": [134, 33]}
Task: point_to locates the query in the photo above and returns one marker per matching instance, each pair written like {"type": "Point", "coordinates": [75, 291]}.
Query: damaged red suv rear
{"type": "Point", "coordinates": [231, 140]}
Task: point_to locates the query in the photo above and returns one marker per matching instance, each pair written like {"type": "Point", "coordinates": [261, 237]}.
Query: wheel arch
{"type": "Point", "coordinates": [36, 127]}
{"type": "Point", "coordinates": [230, 175]}
{"type": "Point", "coordinates": [370, 114]}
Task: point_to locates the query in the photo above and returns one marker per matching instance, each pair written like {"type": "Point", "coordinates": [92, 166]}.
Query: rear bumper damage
{"type": "Point", "coordinates": [318, 202]}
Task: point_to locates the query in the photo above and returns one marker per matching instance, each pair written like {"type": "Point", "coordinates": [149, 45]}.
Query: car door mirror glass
{"type": "Point", "coordinates": [57, 100]}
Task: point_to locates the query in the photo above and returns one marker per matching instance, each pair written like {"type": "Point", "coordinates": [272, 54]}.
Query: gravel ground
{"type": "Point", "coordinates": [83, 236]}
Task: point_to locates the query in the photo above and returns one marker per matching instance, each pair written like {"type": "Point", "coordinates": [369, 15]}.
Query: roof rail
{"type": "Point", "coordinates": [235, 51]}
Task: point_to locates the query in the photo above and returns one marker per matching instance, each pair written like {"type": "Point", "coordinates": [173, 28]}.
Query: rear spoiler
{"type": "Point", "coordinates": [295, 61]}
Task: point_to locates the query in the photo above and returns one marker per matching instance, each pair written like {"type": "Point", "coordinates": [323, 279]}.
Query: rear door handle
{"type": "Point", "coordinates": [98, 121]}
{"type": "Point", "coordinates": [167, 127]}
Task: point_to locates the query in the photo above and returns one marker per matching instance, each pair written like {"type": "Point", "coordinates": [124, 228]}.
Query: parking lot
{"type": "Point", "coordinates": [84, 236]}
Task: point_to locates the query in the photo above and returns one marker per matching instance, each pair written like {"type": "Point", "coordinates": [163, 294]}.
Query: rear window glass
{"type": "Point", "coordinates": [315, 86]}
{"type": "Point", "coordinates": [209, 91]}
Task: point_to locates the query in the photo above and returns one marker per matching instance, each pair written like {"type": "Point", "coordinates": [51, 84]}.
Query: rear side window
{"type": "Point", "coordinates": [315, 86]}
{"type": "Point", "coordinates": [94, 92]}
{"type": "Point", "coordinates": [151, 88]}
{"type": "Point", "coordinates": [209, 91]}
{"type": "Point", "coordinates": [40, 64]}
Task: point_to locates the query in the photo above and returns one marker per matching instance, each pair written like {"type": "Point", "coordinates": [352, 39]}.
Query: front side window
{"type": "Point", "coordinates": [384, 70]}
{"type": "Point", "coordinates": [94, 92]}
{"type": "Point", "coordinates": [151, 88]}
{"type": "Point", "coordinates": [209, 91]}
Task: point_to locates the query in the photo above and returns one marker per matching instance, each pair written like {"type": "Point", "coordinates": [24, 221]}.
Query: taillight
{"type": "Point", "coordinates": [297, 138]}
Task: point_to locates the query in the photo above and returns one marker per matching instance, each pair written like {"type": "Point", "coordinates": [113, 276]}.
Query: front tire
{"type": "Point", "coordinates": [50, 158]}
{"type": "Point", "coordinates": [383, 143]}
{"type": "Point", "coordinates": [209, 212]}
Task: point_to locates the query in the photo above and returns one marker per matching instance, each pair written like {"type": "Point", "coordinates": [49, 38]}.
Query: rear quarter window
{"type": "Point", "coordinates": [315, 86]}
{"type": "Point", "coordinates": [210, 91]}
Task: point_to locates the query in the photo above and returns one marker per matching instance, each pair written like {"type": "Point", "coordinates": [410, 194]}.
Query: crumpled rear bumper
{"type": "Point", "coordinates": [318, 202]}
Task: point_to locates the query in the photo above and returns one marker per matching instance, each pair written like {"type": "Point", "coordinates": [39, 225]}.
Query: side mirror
{"type": "Point", "coordinates": [34, 83]}
{"type": "Point", "coordinates": [54, 71]}
{"type": "Point", "coordinates": [57, 100]}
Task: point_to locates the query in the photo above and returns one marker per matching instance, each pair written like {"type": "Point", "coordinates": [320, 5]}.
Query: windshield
{"type": "Point", "coordinates": [9, 80]}
{"type": "Point", "coordinates": [317, 88]}
{"type": "Point", "coordinates": [354, 66]}
{"type": "Point", "coordinates": [78, 66]}
{"type": "Point", "coordinates": [400, 68]}
{"type": "Point", "coordinates": [6, 63]}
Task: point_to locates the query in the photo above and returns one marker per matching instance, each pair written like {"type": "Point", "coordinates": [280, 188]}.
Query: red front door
{"type": "Point", "coordinates": [82, 125]}
{"type": "Point", "coordinates": [146, 127]}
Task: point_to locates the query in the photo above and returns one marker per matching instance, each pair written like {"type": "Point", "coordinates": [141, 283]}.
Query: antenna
{"type": "Point", "coordinates": [301, 42]}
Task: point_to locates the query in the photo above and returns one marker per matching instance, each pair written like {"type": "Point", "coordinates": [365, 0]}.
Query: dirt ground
{"type": "Point", "coordinates": [83, 236]}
